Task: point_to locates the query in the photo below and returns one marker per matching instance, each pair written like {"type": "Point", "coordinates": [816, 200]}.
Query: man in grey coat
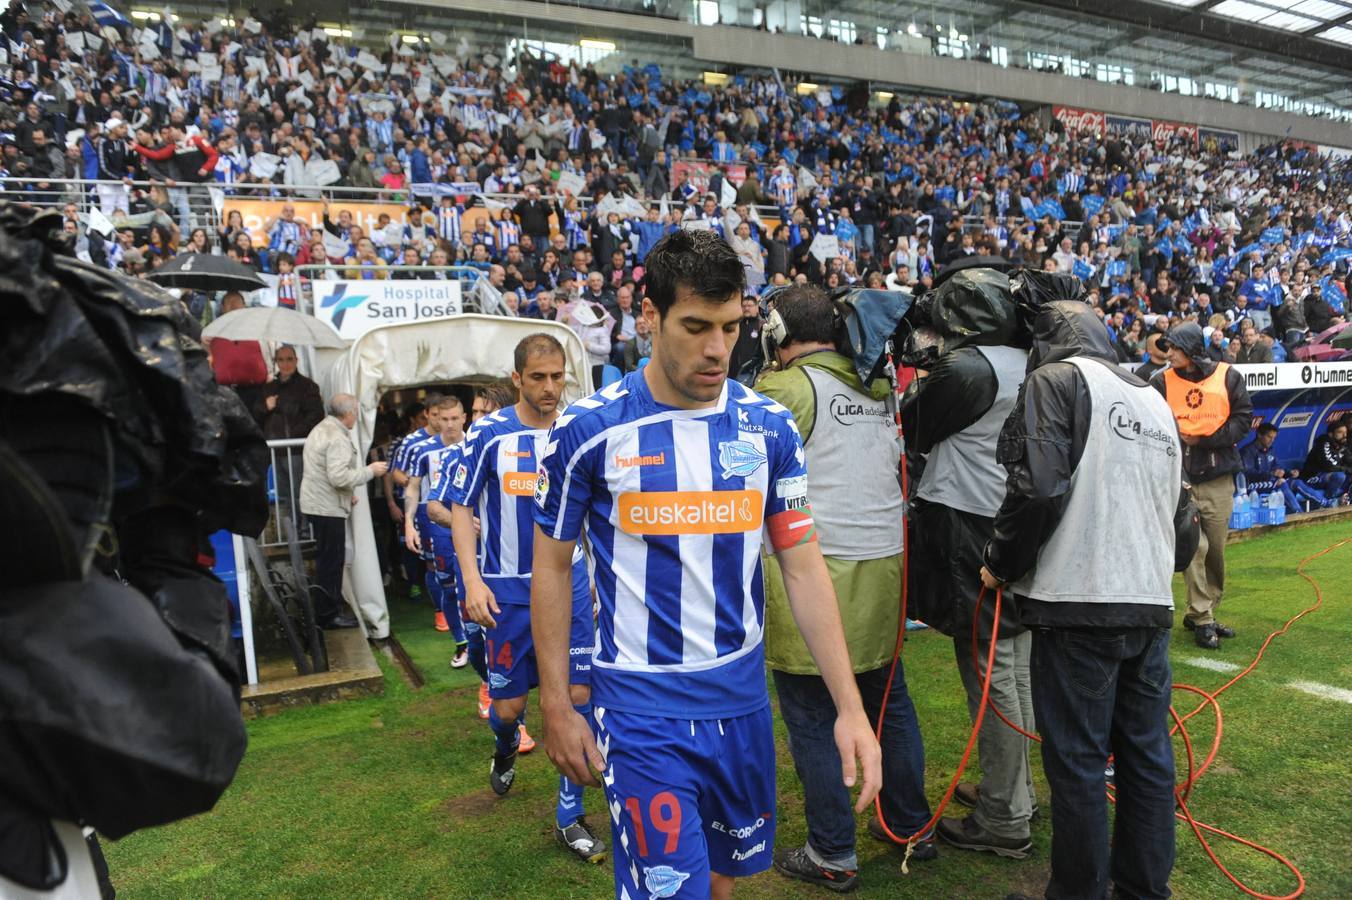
{"type": "Point", "coordinates": [333, 470]}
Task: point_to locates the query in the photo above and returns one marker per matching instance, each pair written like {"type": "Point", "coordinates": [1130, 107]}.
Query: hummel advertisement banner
{"type": "Point", "coordinates": [355, 307]}
{"type": "Point", "coordinates": [1295, 376]}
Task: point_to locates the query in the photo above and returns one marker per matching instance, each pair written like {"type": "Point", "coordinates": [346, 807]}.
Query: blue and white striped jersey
{"type": "Point", "coordinates": [400, 458]}
{"type": "Point", "coordinates": [496, 477]}
{"type": "Point", "coordinates": [675, 504]}
{"type": "Point", "coordinates": [425, 462]}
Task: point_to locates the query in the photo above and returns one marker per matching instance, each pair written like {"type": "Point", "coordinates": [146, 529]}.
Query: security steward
{"type": "Point", "coordinates": [1214, 413]}
{"type": "Point", "coordinates": [853, 451]}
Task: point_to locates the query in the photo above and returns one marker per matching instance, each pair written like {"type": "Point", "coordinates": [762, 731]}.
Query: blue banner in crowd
{"type": "Point", "coordinates": [1335, 254]}
{"type": "Point", "coordinates": [1117, 270]}
{"type": "Point", "coordinates": [1092, 203]}
{"type": "Point", "coordinates": [1334, 294]}
{"type": "Point", "coordinates": [1082, 270]}
{"type": "Point", "coordinates": [1274, 235]}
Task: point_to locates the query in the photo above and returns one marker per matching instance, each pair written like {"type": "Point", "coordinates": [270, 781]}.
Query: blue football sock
{"type": "Point", "coordinates": [507, 734]}
{"type": "Point", "coordinates": [570, 793]}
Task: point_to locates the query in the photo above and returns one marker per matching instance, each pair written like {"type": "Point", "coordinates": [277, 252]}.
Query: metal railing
{"type": "Point", "coordinates": [287, 470]}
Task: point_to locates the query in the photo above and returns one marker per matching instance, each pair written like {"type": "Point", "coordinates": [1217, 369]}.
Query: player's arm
{"type": "Point", "coordinates": [571, 745]}
{"type": "Point", "coordinates": [438, 512]}
{"type": "Point", "coordinates": [479, 600]}
{"type": "Point", "coordinates": [412, 492]}
{"type": "Point", "coordinates": [812, 599]}
{"type": "Point", "coordinates": [387, 487]}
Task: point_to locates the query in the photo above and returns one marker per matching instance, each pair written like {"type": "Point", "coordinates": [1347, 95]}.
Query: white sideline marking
{"type": "Point", "coordinates": [1202, 662]}
{"type": "Point", "coordinates": [1323, 691]}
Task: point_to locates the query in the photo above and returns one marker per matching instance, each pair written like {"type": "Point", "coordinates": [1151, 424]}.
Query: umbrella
{"type": "Point", "coordinates": [1340, 337]}
{"type": "Point", "coordinates": [205, 272]}
{"type": "Point", "coordinates": [274, 323]}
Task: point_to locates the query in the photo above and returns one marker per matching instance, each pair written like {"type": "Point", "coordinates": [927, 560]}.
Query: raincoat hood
{"type": "Point", "coordinates": [974, 308]}
{"type": "Point", "coordinates": [1189, 338]}
{"type": "Point", "coordinates": [1067, 328]}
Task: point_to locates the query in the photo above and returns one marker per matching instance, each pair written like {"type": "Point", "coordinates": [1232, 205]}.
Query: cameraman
{"type": "Point", "coordinates": [954, 414]}
{"type": "Point", "coordinates": [1094, 463]}
{"type": "Point", "coordinates": [852, 455]}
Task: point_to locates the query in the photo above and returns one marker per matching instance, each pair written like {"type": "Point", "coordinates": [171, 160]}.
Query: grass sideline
{"type": "Point", "coordinates": [388, 796]}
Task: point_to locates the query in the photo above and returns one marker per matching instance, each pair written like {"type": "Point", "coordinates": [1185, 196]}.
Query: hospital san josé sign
{"type": "Point", "coordinates": [355, 307]}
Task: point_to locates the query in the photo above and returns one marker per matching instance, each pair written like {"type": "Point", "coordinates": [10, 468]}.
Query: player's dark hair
{"type": "Point", "coordinates": [412, 411]}
{"type": "Point", "coordinates": [700, 260]}
{"type": "Point", "coordinates": [540, 344]}
{"type": "Point", "coordinates": [500, 394]}
{"type": "Point", "coordinates": [1267, 428]}
{"type": "Point", "coordinates": [807, 312]}
{"type": "Point", "coordinates": [431, 400]}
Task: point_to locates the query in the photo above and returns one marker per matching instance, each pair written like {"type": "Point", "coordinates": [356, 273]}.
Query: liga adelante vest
{"type": "Point", "coordinates": [961, 471]}
{"type": "Point", "coordinates": [853, 434]}
{"type": "Point", "coordinates": [1115, 540]}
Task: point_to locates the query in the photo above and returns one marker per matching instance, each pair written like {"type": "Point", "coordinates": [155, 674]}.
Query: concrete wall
{"type": "Point", "coordinates": [745, 47]}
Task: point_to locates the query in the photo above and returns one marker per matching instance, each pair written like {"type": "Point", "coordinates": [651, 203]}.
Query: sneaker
{"type": "Point", "coordinates": [439, 621]}
{"type": "Point", "coordinates": [502, 772]}
{"type": "Point", "coordinates": [527, 743]}
{"type": "Point", "coordinates": [916, 625]}
{"type": "Point", "coordinates": [924, 850]}
{"type": "Point", "coordinates": [414, 592]}
{"type": "Point", "coordinates": [1207, 637]}
{"type": "Point", "coordinates": [485, 702]}
{"type": "Point", "coordinates": [966, 834]}
{"type": "Point", "coordinates": [968, 794]}
{"type": "Point", "coordinates": [461, 658]}
{"type": "Point", "coordinates": [1222, 631]}
{"type": "Point", "coordinates": [578, 838]}
{"type": "Point", "coordinates": [797, 864]}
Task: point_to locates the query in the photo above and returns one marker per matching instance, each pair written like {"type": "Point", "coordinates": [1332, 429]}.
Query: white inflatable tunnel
{"type": "Point", "coordinates": [469, 347]}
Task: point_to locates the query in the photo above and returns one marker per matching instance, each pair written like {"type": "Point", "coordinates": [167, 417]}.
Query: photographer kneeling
{"type": "Point", "coordinates": [852, 459]}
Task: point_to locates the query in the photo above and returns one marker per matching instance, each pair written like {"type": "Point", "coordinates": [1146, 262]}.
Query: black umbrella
{"type": "Point", "coordinates": [205, 272]}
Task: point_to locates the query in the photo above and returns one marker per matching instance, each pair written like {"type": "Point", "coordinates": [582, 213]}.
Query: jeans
{"type": "Point", "coordinates": [1096, 692]}
{"type": "Point", "coordinates": [1005, 800]}
{"type": "Point", "coordinates": [810, 716]}
{"type": "Point", "coordinates": [866, 238]}
{"type": "Point", "coordinates": [178, 196]}
{"type": "Point", "coordinates": [330, 557]}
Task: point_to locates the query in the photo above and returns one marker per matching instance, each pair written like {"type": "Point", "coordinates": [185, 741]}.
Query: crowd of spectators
{"type": "Point", "coordinates": [581, 172]}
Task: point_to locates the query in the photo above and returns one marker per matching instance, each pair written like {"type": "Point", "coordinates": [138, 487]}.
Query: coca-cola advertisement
{"type": "Point", "coordinates": [1079, 120]}
{"type": "Point", "coordinates": [1168, 132]}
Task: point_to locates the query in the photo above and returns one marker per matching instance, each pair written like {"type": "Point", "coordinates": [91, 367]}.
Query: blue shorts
{"type": "Point", "coordinates": [687, 797]}
{"type": "Point", "coordinates": [437, 542]}
{"type": "Point", "coordinates": [509, 648]}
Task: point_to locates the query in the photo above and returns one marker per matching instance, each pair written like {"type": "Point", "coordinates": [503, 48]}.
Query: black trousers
{"type": "Point", "coordinates": [331, 538]}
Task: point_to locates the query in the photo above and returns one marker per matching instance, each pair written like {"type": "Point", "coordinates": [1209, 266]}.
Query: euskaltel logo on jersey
{"type": "Point", "coordinates": [691, 512]}
{"type": "Point", "coordinates": [519, 484]}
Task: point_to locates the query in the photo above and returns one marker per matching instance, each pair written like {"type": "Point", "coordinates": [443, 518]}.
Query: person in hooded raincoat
{"type": "Point", "coordinates": [1214, 413]}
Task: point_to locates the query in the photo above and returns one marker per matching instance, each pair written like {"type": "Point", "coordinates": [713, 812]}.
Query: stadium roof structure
{"type": "Point", "coordinates": [1298, 49]}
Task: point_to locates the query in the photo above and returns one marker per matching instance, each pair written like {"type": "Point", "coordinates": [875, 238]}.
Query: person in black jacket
{"type": "Point", "coordinates": [1318, 312]}
{"type": "Point", "coordinates": [1214, 413]}
{"type": "Point", "coordinates": [532, 214]}
{"type": "Point", "coordinates": [1085, 533]}
{"type": "Point", "coordinates": [1329, 465]}
{"type": "Point", "coordinates": [288, 407]}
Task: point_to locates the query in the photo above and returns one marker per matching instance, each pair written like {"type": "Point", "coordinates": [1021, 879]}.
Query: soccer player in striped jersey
{"type": "Point", "coordinates": [677, 474]}
{"type": "Point", "coordinates": [447, 418]}
{"type": "Point", "coordinates": [487, 400]}
{"type": "Point", "coordinates": [496, 478]}
{"type": "Point", "coordinates": [419, 431]}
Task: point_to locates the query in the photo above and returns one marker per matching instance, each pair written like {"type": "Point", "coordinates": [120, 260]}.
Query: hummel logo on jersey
{"type": "Point", "coordinates": [691, 512]}
{"type": "Point", "coordinates": [739, 458]}
{"type": "Point", "coordinates": [663, 881]}
{"type": "Point", "coordinates": [651, 459]}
